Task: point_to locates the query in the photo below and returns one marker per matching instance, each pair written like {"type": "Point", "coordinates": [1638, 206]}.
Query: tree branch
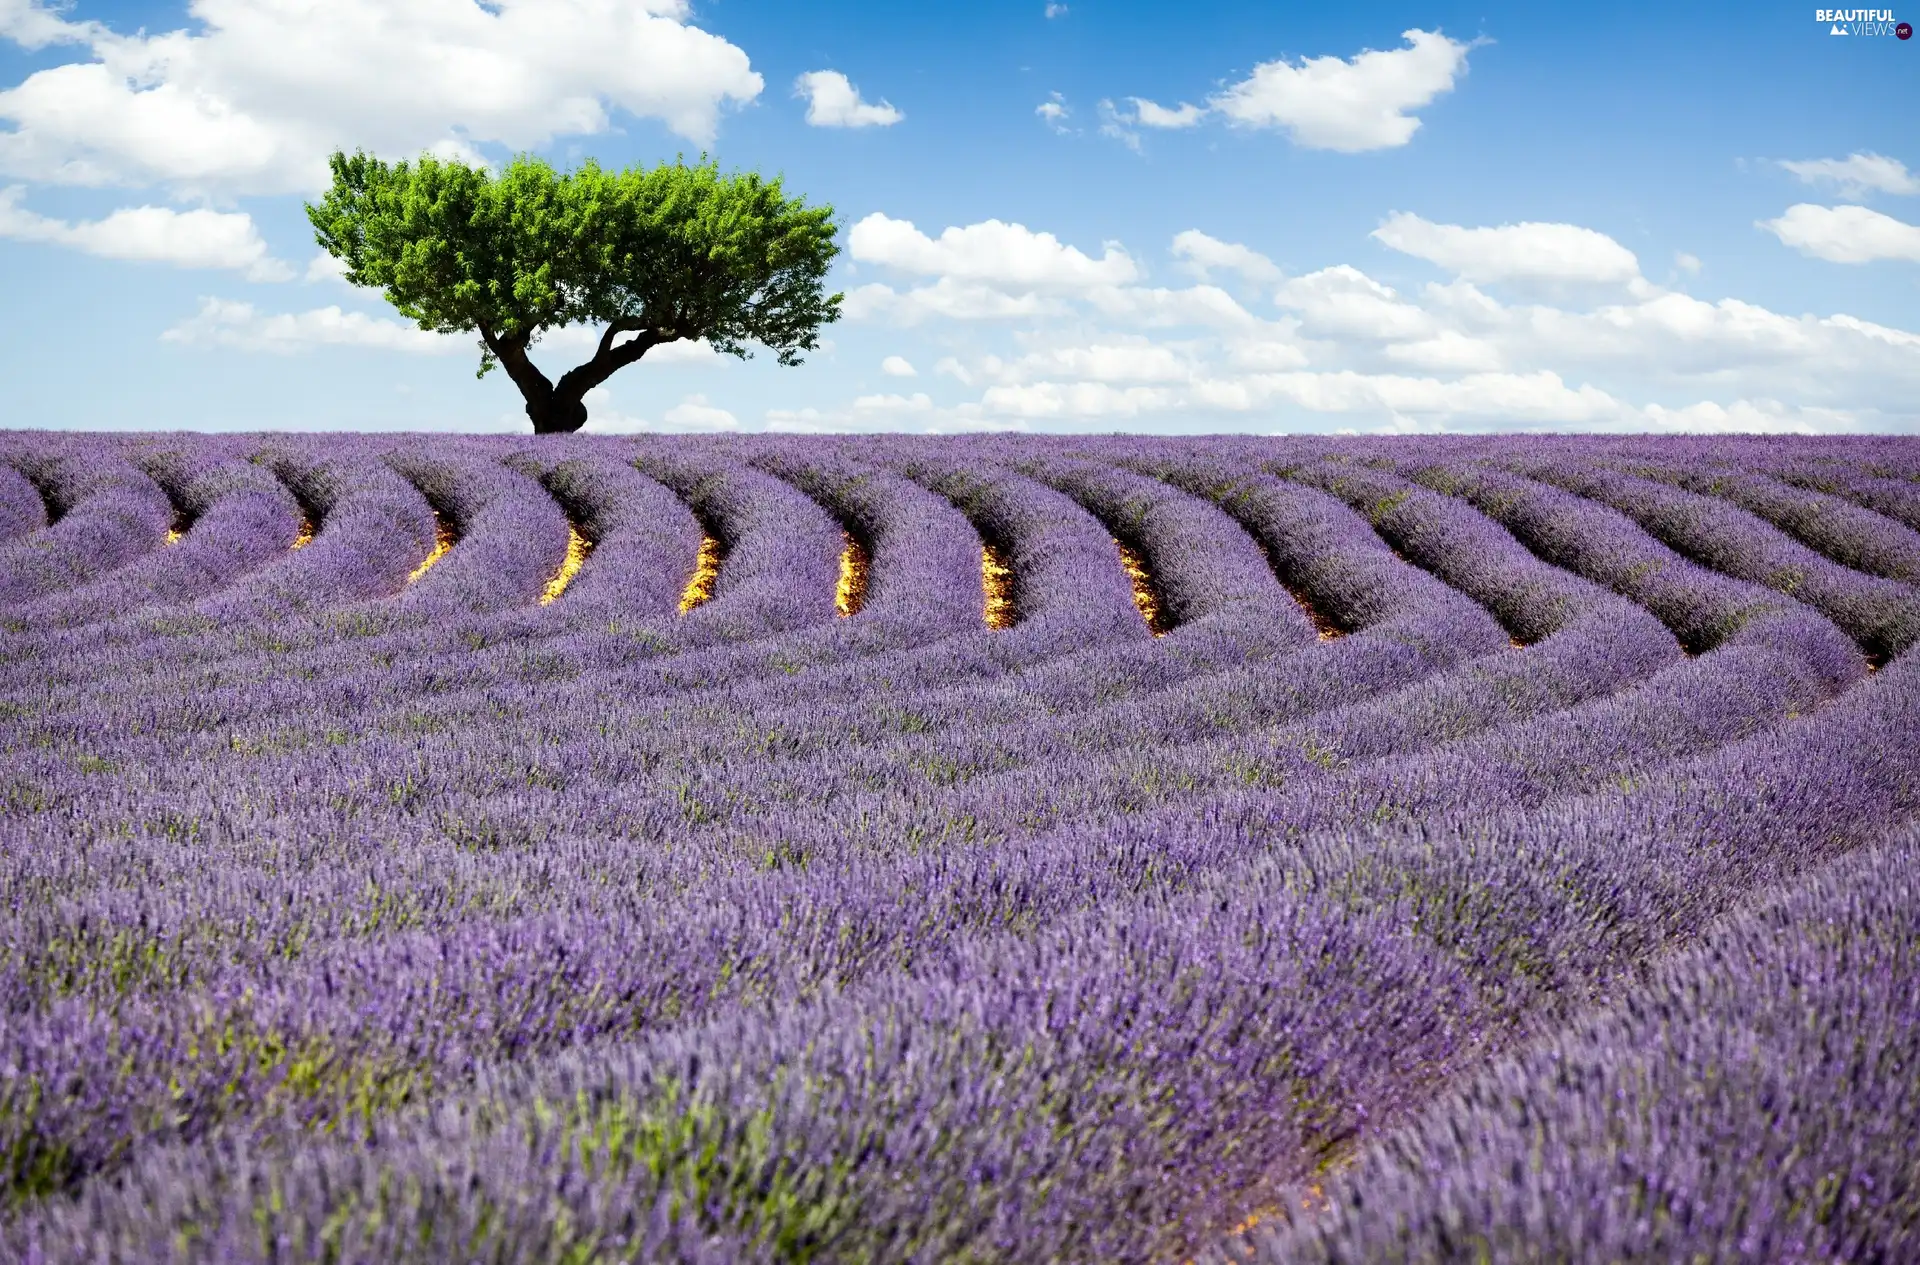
{"type": "Point", "coordinates": [512, 355]}
{"type": "Point", "coordinates": [615, 328]}
{"type": "Point", "coordinates": [606, 362]}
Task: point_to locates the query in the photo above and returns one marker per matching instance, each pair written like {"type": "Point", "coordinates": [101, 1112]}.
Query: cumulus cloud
{"type": "Point", "coordinates": [1349, 348]}
{"type": "Point", "coordinates": [31, 25]}
{"type": "Point", "coordinates": [1856, 175]}
{"type": "Point", "coordinates": [1350, 106]}
{"type": "Point", "coordinates": [992, 252]}
{"type": "Point", "coordinates": [326, 267]}
{"type": "Point", "coordinates": [946, 298]}
{"type": "Point", "coordinates": [1148, 114]}
{"type": "Point", "coordinates": [1054, 111]}
{"type": "Point", "coordinates": [918, 402]}
{"type": "Point", "coordinates": [1527, 252]}
{"type": "Point", "coordinates": [1344, 302]}
{"type": "Point", "coordinates": [1162, 307]}
{"type": "Point", "coordinates": [898, 367]}
{"type": "Point", "coordinates": [253, 98]}
{"type": "Point", "coordinates": [229, 323]}
{"type": "Point", "coordinates": [1201, 254]}
{"type": "Point", "coordinates": [696, 413]}
{"type": "Point", "coordinates": [1685, 262]}
{"type": "Point", "coordinates": [156, 234]}
{"type": "Point", "coordinates": [1845, 234]}
{"type": "Point", "coordinates": [832, 101]}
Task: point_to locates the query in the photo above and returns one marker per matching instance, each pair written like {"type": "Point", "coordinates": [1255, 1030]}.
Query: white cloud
{"type": "Point", "coordinates": [1858, 174]}
{"type": "Point", "coordinates": [1055, 9]}
{"type": "Point", "coordinates": [228, 323]}
{"type": "Point", "coordinates": [991, 252]}
{"type": "Point", "coordinates": [1350, 106]}
{"type": "Point", "coordinates": [326, 267]}
{"type": "Point", "coordinates": [1354, 350]}
{"type": "Point", "coordinates": [154, 234]}
{"type": "Point", "coordinates": [1749, 417]}
{"type": "Point", "coordinates": [1845, 234]}
{"type": "Point", "coordinates": [1054, 111]}
{"type": "Point", "coordinates": [948, 298]}
{"type": "Point", "coordinates": [33, 26]}
{"type": "Point", "coordinates": [1114, 124]}
{"type": "Point", "coordinates": [898, 367]}
{"type": "Point", "coordinates": [918, 402]}
{"type": "Point", "coordinates": [1685, 262]}
{"type": "Point", "coordinates": [1448, 350]}
{"type": "Point", "coordinates": [1148, 114]}
{"type": "Point", "coordinates": [695, 413]}
{"type": "Point", "coordinates": [1527, 252]}
{"type": "Point", "coordinates": [253, 98]}
{"type": "Point", "coordinates": [1343, 302]}
{"type": "Point", "coordinates": [1159, 307]}
{"type": "Point", "coordinates": [832, 101]}
{"type": "Point", "coordinates": [1201, 254]}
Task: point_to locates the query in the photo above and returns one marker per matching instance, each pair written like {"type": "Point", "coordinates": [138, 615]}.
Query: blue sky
{"type": "Point", "coordinates": [1089, 216]}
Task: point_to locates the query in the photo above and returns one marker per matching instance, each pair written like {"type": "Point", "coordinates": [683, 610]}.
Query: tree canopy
{"type": "Point", "coordinates": [655, 255]}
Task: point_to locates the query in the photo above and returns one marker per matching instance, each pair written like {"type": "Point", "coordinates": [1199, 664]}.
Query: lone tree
{"type": "Point", "coordinates": [654, 255]}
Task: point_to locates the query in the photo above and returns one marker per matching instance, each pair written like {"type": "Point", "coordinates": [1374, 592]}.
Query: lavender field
{"type": "Point", "coordinates": [976, 849]}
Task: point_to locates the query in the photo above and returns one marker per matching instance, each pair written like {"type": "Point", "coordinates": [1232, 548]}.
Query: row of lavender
{"type": "Point", "coordinates": [612, 913]}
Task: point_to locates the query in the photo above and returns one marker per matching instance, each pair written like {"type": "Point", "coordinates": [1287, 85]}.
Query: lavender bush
{"type": "Point", "coordinates": [667, 849]}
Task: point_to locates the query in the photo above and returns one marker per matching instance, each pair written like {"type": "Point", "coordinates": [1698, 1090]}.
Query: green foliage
{"type": "Point", "coordinates": [667, 253]}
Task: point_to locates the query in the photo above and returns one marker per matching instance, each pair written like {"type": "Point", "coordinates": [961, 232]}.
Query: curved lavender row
{"type": "Point", "coordinates": [1205, 567]}
{"type": "Point", "coordinates": [231, 710]}
{"type": "Point", "coordinates": [1465, 549]}
{"type": "Point", "coordinates": [1584, 642]}
{"type": "Point", "coordinates": [1884, 617]}
{"type": "Point", "coordinates": [1357, 575]}
{"type": "Point", "coordinates": [1298, 513]}
{"type": "Point", "coordinates": [1542, 912]}
{"type": "Point", "coordinates": [375, 528]}
{"type": "Point", "coordinates": [556, 983]}
{"type": "Point", "coordinates": [447, 768]}
{"type": "Point", "coordinates": [1898, 499]}
{"type": "Point", "coordinates": [511, 536]}
{"type": "Point", "coordinates": [887, 794]}
{"type": "Point", "coordinates": [1406, 625]}
{"type": "Point", "coordinates": [645, 539]}
{"type": "Point", "coordinates": [1681, 710]}
{"type": "Point", "coordinates": [925, 568]}
{"type": "Point", "coordinates": [297, 695]}
{"type": "Point", "coordinates": [321, 682]}
{"type": "Point", "coordinates": [241, 518]}
{"type": "Point", "coordinates": [22, 508]}
{"type": "Point", "coordinates": [1703, 1117]}
{"type": "Point", "coordinates": [782, 550]}
{"type": "Point", "coordinates": [109, 513]}
{"type": "Point", "coordinates": [1847, 534]}
{"type": "Point", "coordinates": [1778, 660]}
{"type": "Point", "coordinates": [1705, 609]}
{"type": "Point", "coordinates": [1064, 571]}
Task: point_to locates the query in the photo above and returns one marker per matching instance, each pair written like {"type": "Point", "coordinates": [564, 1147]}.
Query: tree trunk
{"type": "Point", "coordinates": [560, 408]}
{"type": "Point", "coordinates": [552, 414]}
